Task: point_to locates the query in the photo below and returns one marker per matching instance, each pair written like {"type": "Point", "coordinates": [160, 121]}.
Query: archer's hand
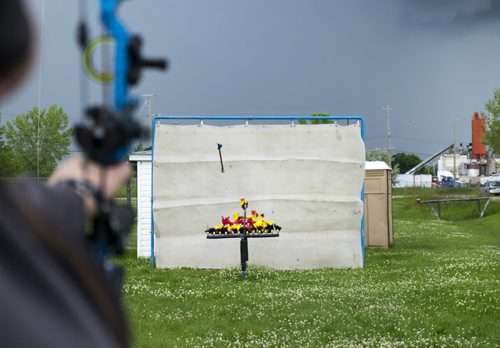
{"type": "Point", "coordinates": [108, 179]}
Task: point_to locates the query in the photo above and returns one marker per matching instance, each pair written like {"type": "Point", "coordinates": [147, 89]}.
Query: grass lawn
{"type": "Point", "coordinates": [438, 286]}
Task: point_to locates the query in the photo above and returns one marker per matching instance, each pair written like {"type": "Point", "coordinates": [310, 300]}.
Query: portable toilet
{"type": "Point", "coordinates": [378, 205]}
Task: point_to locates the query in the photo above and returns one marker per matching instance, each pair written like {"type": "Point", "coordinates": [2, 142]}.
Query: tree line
{"type": "Point", "coordinates": [492, 116]}
{"type": "Point", "coordinates": [33, 143]}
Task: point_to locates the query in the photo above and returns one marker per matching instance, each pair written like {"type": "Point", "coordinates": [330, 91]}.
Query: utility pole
{"type": "Point", "coordinates": [388, 110]}
{"type": "Point", "coordinates": [454, 147]}
{"type": "Point", "coordinates": [149, 101]}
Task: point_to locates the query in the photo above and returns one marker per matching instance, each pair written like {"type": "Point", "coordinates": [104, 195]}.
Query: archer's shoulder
{"type": "Point", "coordinates": [60, 205]}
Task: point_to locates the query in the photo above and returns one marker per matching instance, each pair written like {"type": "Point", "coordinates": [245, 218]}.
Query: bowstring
{"type": "Point", "coordinates": [106, 64]}
{"type": "Point", "coordinates": [84, 83]}
{"type": "Point", "coordinates": [85, 88]}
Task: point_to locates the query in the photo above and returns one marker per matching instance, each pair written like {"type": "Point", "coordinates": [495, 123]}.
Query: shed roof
{"type": "Point", "coordinates": [140, 156]}
{"type": "Point", "coordinates": [376, 165]}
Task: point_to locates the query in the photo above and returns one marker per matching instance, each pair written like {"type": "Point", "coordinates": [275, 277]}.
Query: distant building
{"type": "Point", "coordinates": [445, 163]}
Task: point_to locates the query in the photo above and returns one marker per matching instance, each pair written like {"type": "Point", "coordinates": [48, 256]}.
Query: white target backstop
{"type": "Point", "coordinates": [306, 178]}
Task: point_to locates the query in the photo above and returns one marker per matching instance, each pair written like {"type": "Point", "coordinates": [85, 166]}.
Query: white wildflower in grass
{"type": "Point", "coordinates": [438, 286]}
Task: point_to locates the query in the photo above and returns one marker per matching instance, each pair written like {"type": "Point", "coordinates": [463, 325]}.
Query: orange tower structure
{"type": "Point", "coordinates": [478, 124]}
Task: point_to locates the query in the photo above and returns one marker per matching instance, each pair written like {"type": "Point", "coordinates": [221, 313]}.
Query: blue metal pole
{"type": "Point", "coordinates": [153, 129]}
{"type": "Point", "coordinates": [362, 124]}
{"type": "Point", "coordinates": [259, 118]}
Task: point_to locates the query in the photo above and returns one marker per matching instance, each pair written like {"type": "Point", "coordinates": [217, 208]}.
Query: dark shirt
{"type": "Point", "coordinates": [45, 298]}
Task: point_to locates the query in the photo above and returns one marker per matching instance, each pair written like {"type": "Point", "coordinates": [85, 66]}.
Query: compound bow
{"type": "Point", "coordinates": [107, 132]}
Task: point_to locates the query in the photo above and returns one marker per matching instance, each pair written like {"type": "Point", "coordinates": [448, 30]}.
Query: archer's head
{"type": "Point", "coordinates": [15, 44]}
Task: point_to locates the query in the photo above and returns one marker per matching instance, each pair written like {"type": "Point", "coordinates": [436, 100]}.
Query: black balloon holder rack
{"type": "Point", "coordinates": [244, 227]}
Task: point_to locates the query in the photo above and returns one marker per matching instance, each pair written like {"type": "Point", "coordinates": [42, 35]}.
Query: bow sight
{"type": "Point", "coordinates": [106, 134]}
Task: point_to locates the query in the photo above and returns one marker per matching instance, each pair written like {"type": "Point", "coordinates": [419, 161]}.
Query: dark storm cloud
{"type": "Point", "coordinates": [431, 60]}
{"type": "Point", "coordinates": [458, 12]}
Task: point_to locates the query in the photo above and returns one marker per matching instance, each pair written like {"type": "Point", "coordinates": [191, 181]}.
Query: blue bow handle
{"type": "Point", "coordinates": [107, 133]}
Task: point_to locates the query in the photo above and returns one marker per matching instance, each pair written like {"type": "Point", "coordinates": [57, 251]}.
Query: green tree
{"type": "Point", "coordinates": [376, 155]}
{"type": "Point", "coordinates": [51, 127]}
{"type": "Point", "coordinates": [2, 131]}
{"type": "Point", "coordinates": [318, 121]}
{"type": "Point", "coordinates": [139, 147]}
{"type": "Point", "coordinates": [492, 115]}
{"type": "Point", "coordinates": [405, 161]}
{"type": "Point", "coordinates": [9, 165]}
{"type": "Point", "coordinates": [381, 155]}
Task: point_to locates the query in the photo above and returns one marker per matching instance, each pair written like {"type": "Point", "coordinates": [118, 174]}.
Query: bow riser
{"type": "Point", "coordinates": [121, 37]}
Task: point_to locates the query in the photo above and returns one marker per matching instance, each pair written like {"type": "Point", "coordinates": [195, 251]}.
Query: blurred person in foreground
{"type": "Point", "coordinates": [52, 294]}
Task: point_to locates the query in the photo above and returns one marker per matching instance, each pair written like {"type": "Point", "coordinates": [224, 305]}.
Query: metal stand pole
{"type": "Point", "coordinates": [244, 256]}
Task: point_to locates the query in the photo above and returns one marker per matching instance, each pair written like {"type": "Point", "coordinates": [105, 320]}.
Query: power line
{"type": "Point", "coordinates": [11, 113]}
{"type": "Point", "coordinates": [413, 152]}
{"type": "Point", "coordinates": [433, 141]}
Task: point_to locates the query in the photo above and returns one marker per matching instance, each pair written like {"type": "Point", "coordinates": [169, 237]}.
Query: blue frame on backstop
{"type": "Point", "coordinates": [253, 118]}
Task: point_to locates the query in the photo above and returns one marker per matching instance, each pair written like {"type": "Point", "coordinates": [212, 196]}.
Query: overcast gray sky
{"type": "Point", "coordinates": [431, 60]}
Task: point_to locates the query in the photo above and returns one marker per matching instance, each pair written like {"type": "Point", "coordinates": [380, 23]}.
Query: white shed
{"type": "Point", "coordinates": [143, 160]}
